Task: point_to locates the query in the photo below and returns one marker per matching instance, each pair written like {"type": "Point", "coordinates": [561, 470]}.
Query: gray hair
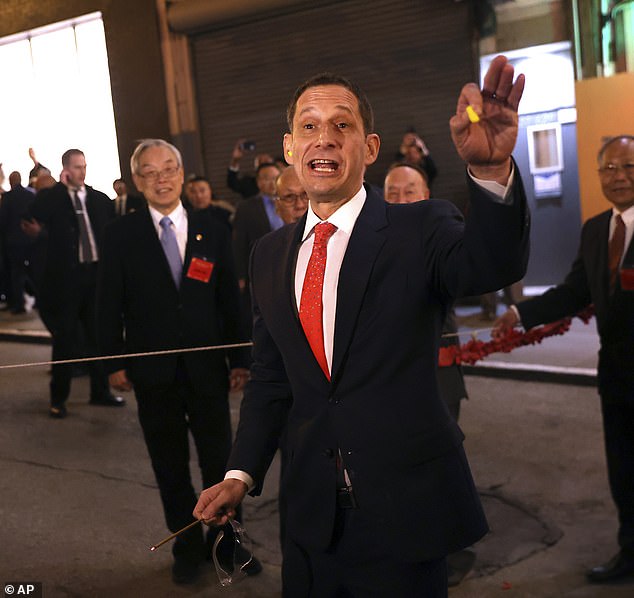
{"type": "Point", "coordinates": [148, 143]}
{"type": "Point", "coordinates": [609, 141]}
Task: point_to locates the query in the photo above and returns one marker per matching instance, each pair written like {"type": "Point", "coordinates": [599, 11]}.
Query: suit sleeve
{"type": "Point", "coordinates": [487, 252]}
{"type": "Point", "coordinates": [564, 300]}
{"type": "Point", "coordinates": [110, 297]}
{"type": "Point", "coordinates": [265, 406]}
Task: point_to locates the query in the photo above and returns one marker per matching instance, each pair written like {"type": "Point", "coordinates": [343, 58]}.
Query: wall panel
{"type": "Point", "coordinates": [411, 58]}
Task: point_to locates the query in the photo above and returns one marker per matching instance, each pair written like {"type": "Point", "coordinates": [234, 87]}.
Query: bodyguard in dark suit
{"type": "Point", "coordinates": [167, 281]}
{"type": "Point", "coordinates": [16, 243]}
{"type": "Point", "coordinates": [603, 274]}
{"type": "Point", "coordinates": [377, 486]}
{"type": "Point", "coordinates": [74, 216]}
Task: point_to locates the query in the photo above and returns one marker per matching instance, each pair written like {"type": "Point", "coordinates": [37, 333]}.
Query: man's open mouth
{"type": "Point", "coordinates": [325, 166]}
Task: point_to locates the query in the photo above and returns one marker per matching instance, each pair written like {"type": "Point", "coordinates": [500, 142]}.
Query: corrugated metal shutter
{"type": "Point", "coordinates": [411, 58]}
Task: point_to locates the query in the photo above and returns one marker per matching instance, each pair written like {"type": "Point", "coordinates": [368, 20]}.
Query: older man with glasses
{"type": "Point", "coordinates": [603, 275]}
{"type": "Point", "coordinates": [291, 201]}
{"type": "Point", "coordinates": [167, 282]}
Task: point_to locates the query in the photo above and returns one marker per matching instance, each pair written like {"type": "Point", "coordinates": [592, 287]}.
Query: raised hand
{"type": "Point", "coordinates": [486, 145]}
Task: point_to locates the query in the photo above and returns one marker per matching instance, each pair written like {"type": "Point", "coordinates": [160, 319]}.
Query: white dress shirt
{"type": "Point", "coordinates": [178, 216]}
{"type": "Point", "coordinates": [344, 219]}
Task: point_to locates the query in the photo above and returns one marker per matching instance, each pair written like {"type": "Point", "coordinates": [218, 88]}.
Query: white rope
{"type": "Point", "coordinates": [471, 333]}
{"type": "Point", "coordinates": [106, 357]}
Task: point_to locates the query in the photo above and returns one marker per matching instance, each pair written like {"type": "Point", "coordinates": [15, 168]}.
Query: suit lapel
{"type": "Point", "coordinates": [595, 256]}
{"type": "Point", "coordinates": [366, 241]}
{"type": "Point", "coordinates": [290, 259]}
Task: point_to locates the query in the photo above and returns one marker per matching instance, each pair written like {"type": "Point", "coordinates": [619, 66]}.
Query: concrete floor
{"type": "Point", "coordinates": [79, 506]}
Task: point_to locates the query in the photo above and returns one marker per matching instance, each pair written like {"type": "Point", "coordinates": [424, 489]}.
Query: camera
{"type": "Point", "coordinates": [247, 146]}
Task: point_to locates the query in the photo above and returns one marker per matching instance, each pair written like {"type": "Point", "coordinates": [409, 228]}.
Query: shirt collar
{"type": "Point", "coordinates": [176, 215]}
{"type": "Point", "coordinates": [627, 215]}
{"type": "Point", "coordinates": [344, 217]}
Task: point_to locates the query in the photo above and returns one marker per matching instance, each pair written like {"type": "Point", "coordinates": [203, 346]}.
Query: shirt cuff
{"type": "Point", "coordinates": [516, 311]}
{"type": "Point", "coordinates": [499, 192]}
{"type": "Point", "coordinates": [243, 476]}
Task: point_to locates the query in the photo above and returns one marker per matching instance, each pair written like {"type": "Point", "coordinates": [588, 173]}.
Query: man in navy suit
{"type": "Point", "coordinates": [377, 486]}
{"type": "Point", "coordinates": [167, 281]}
{"type": "Point", "coordinates": [611, 290]}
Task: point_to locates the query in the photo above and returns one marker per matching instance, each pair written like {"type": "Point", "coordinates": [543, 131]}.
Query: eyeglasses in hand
{"type": "Point", "coordinates": [232, 553]}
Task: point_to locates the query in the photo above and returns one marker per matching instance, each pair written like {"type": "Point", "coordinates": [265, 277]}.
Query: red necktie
{"type": "Point", "coordinates": [615, 251]}
{"type": "Point", "coordinates": [311, 304]}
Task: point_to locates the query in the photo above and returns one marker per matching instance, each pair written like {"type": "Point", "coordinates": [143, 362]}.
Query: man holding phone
{"type": "Point", "coordinates": [74, 216]}
{"type": "Point", "coordinates": [245, 185]}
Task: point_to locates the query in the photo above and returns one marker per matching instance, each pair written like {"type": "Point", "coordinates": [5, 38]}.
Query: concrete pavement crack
{"type": "Point", "coordinates": [77, 470]}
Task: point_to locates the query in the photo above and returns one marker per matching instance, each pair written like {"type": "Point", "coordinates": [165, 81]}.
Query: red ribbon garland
{"type": "Point", "coordinates": [475, 350]}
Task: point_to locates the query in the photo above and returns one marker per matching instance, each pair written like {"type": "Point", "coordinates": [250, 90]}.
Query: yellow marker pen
{"type": "Point", "coordinates": [472, 114]}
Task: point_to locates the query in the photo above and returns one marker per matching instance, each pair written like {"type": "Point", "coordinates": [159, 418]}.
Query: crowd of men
{"type": "Point", "coordinates": [347, 270]}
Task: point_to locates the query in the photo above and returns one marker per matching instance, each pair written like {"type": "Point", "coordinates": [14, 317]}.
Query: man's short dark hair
{"type": "Point", "coordinates": [266, 165]}
{"type": "Point", "coordinates": [198, 178]}
{"type": "Point", "coordinates": [365, 109]}
{"type": "Point", "coordinates": [68, 154]}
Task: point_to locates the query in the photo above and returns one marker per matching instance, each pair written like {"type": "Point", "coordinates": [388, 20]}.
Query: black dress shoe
{"type": "Point", "coordinates": [108, 401]}
{"type": "Point", "coordinates": [458, 566]}
{"type": "Point", "coordinates": [621, 565]}
{"type": "Point", "coordinates": [57, 411]}
{"type": "Point", "coordinates": [185, 571]}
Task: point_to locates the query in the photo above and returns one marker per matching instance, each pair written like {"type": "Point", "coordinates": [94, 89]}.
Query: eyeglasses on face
{"type": "Point", "coordinates": [610, 170]}
{"type": "Point", "coordinates": [154, 175]}
{"type": "Point", "coordinates": [291, 198]}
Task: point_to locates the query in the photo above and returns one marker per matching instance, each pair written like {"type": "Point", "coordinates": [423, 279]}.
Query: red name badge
{"type": "Point", "coordinates": [200, 269]}
{"type": "Point", "coordinates": [627, 278]}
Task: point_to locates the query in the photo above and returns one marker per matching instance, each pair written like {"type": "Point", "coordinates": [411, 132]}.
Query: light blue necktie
{"type": "Point", "coordinates": [170, 247]}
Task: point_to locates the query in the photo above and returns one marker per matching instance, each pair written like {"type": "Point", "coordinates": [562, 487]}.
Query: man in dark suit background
{"type": "Point", "coordinates": [254, 217]}
{"type": "Point", "coordinates": [377, 486]}
{"type": "Point", "coordinates": [16, 243]}
{"type": "Point", "coordinates": [125, 202]}
{"type": "Point", "coordinates": [167, 281]}
{"type": "Point", "coordinates": [74, 216]}
{"type": "Point", "coordinates": [603, 275]}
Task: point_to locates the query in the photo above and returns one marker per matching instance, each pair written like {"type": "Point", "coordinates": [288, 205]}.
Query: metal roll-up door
{"type": "Point", "coordinates": [411, 58]}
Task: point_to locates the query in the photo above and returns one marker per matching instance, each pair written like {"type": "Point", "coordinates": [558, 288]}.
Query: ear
{"type": "Point", "coordinates": [288, 148]}
{"type": "Point", "coordinates": [372, 144]}
{"type": "Point", "coordinates": [138, 182]}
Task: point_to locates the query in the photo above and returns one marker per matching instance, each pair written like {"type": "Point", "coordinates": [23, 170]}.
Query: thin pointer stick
{"type": "Point", "coordinates": [180, 531]}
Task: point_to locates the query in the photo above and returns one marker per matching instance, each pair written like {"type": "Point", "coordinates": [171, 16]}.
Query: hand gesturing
{"type": "Point", "coordinates": [488, 143]}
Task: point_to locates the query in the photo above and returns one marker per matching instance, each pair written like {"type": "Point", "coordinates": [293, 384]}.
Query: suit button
{"type": "Point", "coordinates": [334, 400]}
{"type": "Point", "coordinates": [328, 453]}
